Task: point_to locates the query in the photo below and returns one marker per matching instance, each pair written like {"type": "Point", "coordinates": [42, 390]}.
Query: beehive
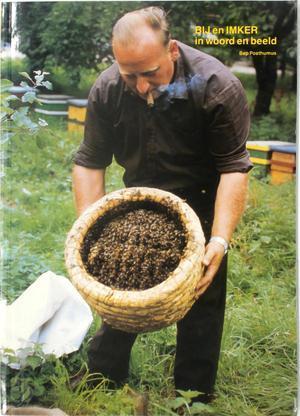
{"type": "Point", "coordinates": [76, 114]}
{"type": "Point", "coordinates": [283, 163]}
{"type": "Point", "coordinates": [19, 91]}
{"type": "Point", "coordinates": [153, 308]}
{"type": "Point", "coordinates": [261, 153]}
{"type": "Point", "coordinates": [53, 105]}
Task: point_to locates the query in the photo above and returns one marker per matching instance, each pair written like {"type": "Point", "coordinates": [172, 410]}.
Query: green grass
{"type": "Point", "coordinates": [257, 371]}
{"type": "Point", "coordinates": [10, 69]}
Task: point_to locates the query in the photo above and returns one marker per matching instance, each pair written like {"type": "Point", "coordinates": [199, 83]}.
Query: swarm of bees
{"type": "Point", "coordinates": [134, 246]}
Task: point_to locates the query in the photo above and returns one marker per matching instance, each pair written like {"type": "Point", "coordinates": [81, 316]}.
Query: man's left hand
{"type": "Point", "coordinates": [214, 253]}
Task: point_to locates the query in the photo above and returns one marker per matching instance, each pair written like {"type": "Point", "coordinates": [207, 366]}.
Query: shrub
{"type": "Point", "coordinates": [273, 127]}
{"type": "Point", "coordinates": [61, 80]}
{"type": "Point", "coordinates": [11, 68]}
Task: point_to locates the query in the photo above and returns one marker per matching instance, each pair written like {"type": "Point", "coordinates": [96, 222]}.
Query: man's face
{"type": "Point", "coordinates": [147, 64]}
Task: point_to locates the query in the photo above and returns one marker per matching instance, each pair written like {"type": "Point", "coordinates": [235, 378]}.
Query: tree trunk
{"type": "Point", "coordinates": [266, 65]}
{"type": "Point", "coordinates": [294, 81]}
{"type": "Point", "coordinates": [266, 76]}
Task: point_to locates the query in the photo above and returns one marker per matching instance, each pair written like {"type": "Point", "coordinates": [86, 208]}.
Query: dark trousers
{"type": "Point", "coordinates": [199, 333]}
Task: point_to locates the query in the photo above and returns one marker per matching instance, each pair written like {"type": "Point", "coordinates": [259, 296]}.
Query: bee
{"type": "Point", "coordinates": [134, 246]}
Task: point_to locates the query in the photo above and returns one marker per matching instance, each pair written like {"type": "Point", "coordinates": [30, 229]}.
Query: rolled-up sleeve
{"type": "Point", "coordinates": [95, 150]}
{"type": "Point", "coordinates": [228, 124]}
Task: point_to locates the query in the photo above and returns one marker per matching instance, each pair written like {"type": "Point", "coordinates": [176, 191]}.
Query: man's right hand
{"type": "Point", "coordinates": [214, 254]}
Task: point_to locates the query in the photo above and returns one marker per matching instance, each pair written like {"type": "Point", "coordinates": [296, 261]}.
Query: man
{"type": "Point", "coordinates": [176, 119]}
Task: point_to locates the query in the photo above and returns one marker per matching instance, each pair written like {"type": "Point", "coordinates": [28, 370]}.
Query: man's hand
{"type": "Point", "coordinates": [214, 253]}
{"type": "Point", "coordinates": [229, 207]}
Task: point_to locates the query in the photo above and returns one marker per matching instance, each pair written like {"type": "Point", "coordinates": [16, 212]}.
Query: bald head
{"type": "Point", "coordinates": [141, 26]}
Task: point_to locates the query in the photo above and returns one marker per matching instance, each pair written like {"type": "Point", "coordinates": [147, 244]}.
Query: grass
{"type": "Point", "coordinates": [280, 124]}
{"type": "Point", "coordinates": [257, 370]}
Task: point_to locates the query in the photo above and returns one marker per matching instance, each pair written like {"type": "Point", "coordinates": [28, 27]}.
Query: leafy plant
{"type": "Point", "coordinates": [269, 128]}
{"type": "Point", "coordinates": [60, 78]}
{"type": "Point", "coordinates": [185, 403]}
{"type": "Point", "coordinates": [31, 378]}
{"type": "Point", "coordinates": [15, 119]}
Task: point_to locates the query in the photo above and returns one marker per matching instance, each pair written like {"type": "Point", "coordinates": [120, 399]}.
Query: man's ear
{"type": "Point", "coordinates": [173, 50]}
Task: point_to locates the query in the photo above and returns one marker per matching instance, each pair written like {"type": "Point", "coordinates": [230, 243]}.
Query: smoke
{"type": "Point", "coordinates": [184, 88]}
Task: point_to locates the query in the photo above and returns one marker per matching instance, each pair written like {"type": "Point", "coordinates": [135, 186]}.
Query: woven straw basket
{"type": "Point", "coordinates": [144, 310]}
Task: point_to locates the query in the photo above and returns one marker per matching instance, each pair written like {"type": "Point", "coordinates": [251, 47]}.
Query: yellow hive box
{"type": "Point", "coordinates": [75, 127]}
{"type": "Point", "coordinates": [76, 115]}
{"type": "Point", "coordinates": [278, 177]}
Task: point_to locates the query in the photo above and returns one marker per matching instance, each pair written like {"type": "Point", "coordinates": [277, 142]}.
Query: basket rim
{"type": "Point", "coordinates": [80, 277]}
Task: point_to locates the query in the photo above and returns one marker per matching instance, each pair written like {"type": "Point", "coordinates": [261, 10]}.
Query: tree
{"type": "Point", "coordinates": [277, 19]}
{"type": "Point", "coordinates": [77, 34]}
{"type": "Point", "coordinates": [31, 24]}
{"type": "Point", "coordinates": [6, 23]}
{"type": "Point", "coordinates": [273, 19]}
{"type": "Point", "coordinates": [72, 34]}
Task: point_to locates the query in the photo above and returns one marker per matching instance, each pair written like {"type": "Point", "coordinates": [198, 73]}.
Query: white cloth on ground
{"type": "Point", "coordinates": [49, 312]}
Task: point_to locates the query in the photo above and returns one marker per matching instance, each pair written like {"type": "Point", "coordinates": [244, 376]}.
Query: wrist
{"type": "Point", "coordinates": [221, 241]}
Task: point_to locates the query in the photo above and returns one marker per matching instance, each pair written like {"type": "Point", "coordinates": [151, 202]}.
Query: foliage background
{"type": "Point", "coordinates": [76, 35]}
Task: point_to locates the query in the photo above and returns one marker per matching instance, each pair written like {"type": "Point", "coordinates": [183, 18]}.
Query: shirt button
{"type": "Point", "coordinates": [203, 191]}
